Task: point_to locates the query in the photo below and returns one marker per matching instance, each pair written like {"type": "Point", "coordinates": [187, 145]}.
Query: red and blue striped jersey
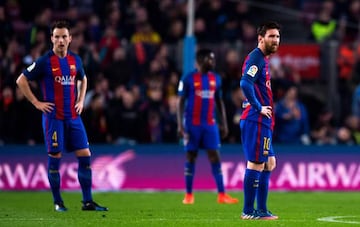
{"type": "Point", "coordinates": [200, 91]}
{"type": "Point", "coordinates": [57, 79]}
{"type": "Point", "coordinates": [256, 71]}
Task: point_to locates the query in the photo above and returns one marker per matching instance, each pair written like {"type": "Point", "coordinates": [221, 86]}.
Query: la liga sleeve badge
{"type": "Point", "coordinates": [252, 70]}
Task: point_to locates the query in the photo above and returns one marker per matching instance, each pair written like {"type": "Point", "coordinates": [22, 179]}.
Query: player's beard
{"type": "Point", "coordinates": [208, 68]}
{"type": "Point", "coordinates": [271, 48]}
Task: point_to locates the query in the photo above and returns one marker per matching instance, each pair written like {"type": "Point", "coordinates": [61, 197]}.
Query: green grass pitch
{"type": "Point", "coordinates": [165, 209]}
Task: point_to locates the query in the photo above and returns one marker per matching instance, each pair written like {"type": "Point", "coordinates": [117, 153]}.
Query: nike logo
{"type": "Point", "coordinates": [55, 69]}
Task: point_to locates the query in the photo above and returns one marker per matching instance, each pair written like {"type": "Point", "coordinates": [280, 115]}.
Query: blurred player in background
{"type": "Point", "coordinates": [60, 74]}
{"type": "Point", "coordinates": [257, 123]}
{"type": "Point", "coordinates": [199, 96]}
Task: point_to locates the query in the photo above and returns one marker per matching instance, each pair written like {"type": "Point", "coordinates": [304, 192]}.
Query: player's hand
{"type": "Point", "coordinates": [266, 111]}
{"type": "Point", "coordinates": [45, 107]}
{"type": "Point", "coordinates": [79, 106]}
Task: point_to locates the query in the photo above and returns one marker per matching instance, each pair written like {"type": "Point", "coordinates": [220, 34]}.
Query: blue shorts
{"type": "Point", "coordinates": [256, 140]}
{"type": "Point", "coordinates": [202, 137]}
{"type": "Point", "coordinates": [64, 135]}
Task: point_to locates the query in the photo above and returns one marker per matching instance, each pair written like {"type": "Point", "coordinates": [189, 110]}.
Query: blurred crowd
{"type": "Point", "coordinates": [131, 51]}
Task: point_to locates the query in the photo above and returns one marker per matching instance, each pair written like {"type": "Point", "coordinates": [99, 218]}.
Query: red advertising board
{"type": "Point", "coordinates": [303, 58]}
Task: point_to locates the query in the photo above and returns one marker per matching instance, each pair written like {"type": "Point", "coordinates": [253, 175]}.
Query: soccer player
{"type": "Point", "coordinates": [257, 123]}
{"type": "Point", "coordinates": [60, 74]}
{"type": "Point", "coordinates": [199, 96]}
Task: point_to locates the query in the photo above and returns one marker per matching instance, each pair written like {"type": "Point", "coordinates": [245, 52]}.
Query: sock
{"type": "Point", "coordinates": [251, 184]}
{"type": "Point", "coordinates": [263, 190]}
{"type": "Point", "coordinates": [217, 173]}
{"type": "Point", "coordinates": [189, 176]}
{"type": "Point", "coordinates": [84, 176]}
{"type": "Point", "coordinates": [54, 178]}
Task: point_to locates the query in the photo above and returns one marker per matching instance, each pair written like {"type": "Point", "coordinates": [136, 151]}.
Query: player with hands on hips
{"type": "Point", "coordinates": [257, 123]}
{"type": "Point", "coordinates": [63, 84]}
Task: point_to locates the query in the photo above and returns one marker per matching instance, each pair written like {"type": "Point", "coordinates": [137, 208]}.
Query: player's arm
{"type": "Point", "coordinates": [23, 84]}
{"type": "Point", "coordinates": [248, 89]}
{"type": "Point", "coordinates": [220, 106]}
{"type": "Point", "coordinates": [247, 86]}
{"type": "Point", "coordinates": [182, 96]}
{"type": "Point", "coordinates": [180, 115]}
{"type": "Point", "coordinates": [82, 86]}
{"type": "Point", "coordinates": [222, 111]}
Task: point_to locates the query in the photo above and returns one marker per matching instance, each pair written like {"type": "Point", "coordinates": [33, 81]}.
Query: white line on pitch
{"type": "Point", "coordinates": [339, 219]}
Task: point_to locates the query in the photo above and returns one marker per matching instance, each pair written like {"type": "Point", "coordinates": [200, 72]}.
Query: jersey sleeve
{"type": "Point", "coordinates": [34, 71]}
{"type": "Point", "coordinates": [248, 89]}
{"type": "Point", "coordinates": [252, 70]}
{"type": "Point", "coordinates": [183, 86]}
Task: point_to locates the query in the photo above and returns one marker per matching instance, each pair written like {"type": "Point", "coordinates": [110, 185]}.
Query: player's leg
{"type": "Point", "coordinates": [189, 172]}
{"type": "Point", "coordinates": [263, 190]}
{"type": "Point", "coordinates": [211, 142]}
{"type": "Point", "coordinates": [252, 150]}
{"type": "Point", "coordinates": [84, 173]}
{"type": "Point", "coordinates": [55, 179]}
{"type": "Point", "coordinates": [85, 180]}
{"type": "Point", "coordinates": [191, 144]}
{"type": "Point", "coordinates": [78, 142]}
{"type": "Point", "coordinates": [214, 158]}
{"type": "Point", "coordinates": [251, 184]}
{"type": "Point", "coordinates": [53, 138]}
{"type": "Point", "coordinates": [265, 174]}
{"type": "Point", "coordinates": [256, 182]}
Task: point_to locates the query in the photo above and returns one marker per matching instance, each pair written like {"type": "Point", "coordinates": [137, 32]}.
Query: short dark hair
{"type": "Point", "coordinates": [261, 30]}
{"type": "Point", "coordinates": [201, 54]}
{"type": "Point", "coordinates": [60, 24]}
